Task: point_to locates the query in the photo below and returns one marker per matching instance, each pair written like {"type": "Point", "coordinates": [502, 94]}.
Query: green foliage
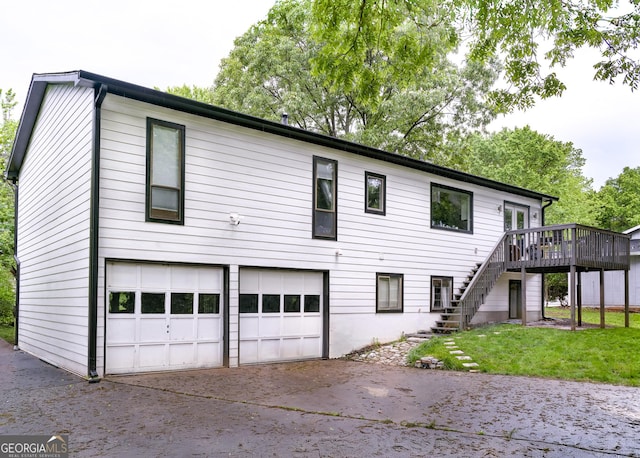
{"type": "Point", "coordinates": [525, 158]}
{"type": "Point", "coordinates": [618, 201]}
{"type": "Point", "coordinates": [391, 96]}
{"type": "Point", "coordinates": [201, 94]}
{"type": "Point", "coordinates": [556, 286]}
{"type": "Point", "coordinates": [7, 297]}
{"type": "Point", "coordinates": [7, 264]}
{"type": "Point", "coordinates": [7, 333]}
{"type": "Point", "coordinates": [586, 355]}
{"type": "Point", "coordinates": [531, 36]}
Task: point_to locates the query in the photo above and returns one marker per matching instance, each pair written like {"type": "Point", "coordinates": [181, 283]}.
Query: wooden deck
{"type": "Point", "coordinates": [569, 248]}
{"type": "Point", "coordinates": [559, 248]}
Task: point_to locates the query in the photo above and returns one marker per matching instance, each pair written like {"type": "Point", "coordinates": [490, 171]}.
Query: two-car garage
{"type": "Point", "coordinates": [171, 316]}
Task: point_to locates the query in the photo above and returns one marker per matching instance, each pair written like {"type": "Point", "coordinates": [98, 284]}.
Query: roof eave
{"type": "Point", "coordinates": [143, 94]}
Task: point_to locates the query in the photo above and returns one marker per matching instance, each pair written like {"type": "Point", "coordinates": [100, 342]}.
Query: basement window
{"type": "Point", "coordinates": [441, 293]}
{"type": "Point", "coordinates": [389, 292]}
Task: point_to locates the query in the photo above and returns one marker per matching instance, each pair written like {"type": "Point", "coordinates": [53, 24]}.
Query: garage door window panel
{"type": "Point", "coordinates": [291, 303]}
{"type": "Point", "coordinates": [181, 303]}
{"type": "Point", "coordinates": [208, 304]}
{"type": "Point", "coordinates": [248, 303]}
{"type": "Point", "coordinates": [122, 302]}
{"type": "Point", "coordinates": [152, 303]}
{"type": "Point", "coordinates": [270, 303]}
{"type": "Point", "coordinates": [311, 303]}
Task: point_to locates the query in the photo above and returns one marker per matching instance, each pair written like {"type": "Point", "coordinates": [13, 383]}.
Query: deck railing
{"type": "Point", "coordinates": [567, 245]}
{"type": "Point", "coordinates": [548, 248]}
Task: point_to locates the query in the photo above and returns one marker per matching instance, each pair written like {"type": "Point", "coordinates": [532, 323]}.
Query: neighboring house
{"type": "Point", "coordinates": [614, 280]}
{"type": "Point", "coordinates": [160, 233]}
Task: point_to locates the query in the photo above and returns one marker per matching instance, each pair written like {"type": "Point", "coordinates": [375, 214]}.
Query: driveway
{"type": "Point", "coordinates": [318, 409]}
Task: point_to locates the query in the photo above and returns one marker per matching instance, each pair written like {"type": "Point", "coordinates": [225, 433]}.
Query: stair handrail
{"type": "Point", "coordinates": [482, 282]}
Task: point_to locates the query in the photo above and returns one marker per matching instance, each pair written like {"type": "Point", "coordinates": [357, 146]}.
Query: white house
{"type": "Point", "coordinates": [160, 233]}
{"type": "Point", "coordinates": [614, 280]}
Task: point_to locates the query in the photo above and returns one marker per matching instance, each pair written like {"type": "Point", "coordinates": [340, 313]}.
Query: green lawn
{"type": "Point", "coordinates": [610, 355]}
{"type": "Point", "coordinates": [6, 333]}
{"type": "Point", "coordinates": [592, 315]}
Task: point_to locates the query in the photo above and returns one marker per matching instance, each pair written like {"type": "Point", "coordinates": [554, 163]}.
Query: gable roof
{"type": "Point", "coordinates": [631, 230]}
{"type": "Point", "coordinates": [39, 83]}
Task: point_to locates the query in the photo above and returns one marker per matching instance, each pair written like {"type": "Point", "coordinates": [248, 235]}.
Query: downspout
{"type": "Point", "coordinates": [16, 308]}
{"type": "Point", "coordinates": [94, 223]}
{"type": "Point", "coordinates": [548, 204]}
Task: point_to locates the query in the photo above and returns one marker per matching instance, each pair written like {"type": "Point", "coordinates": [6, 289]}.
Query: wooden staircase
{"type": "Point", "coordinates": [450, 317]}
{"type": "Point", "coordinates": [474, 290]}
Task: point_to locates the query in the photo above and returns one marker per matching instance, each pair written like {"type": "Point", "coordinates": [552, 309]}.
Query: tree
{"type": "Point", "coordinates": [201, 94]}
{"type": "Point", "coordinates": [514, 30]}
{"type": "Point", "coordinates": [619, 201]}
{"type": "Point", "coordinates": [525, 158]}
{"type": "Point", "coordinates": [7, 264]}
{"type": "Point", "coordinates": [398, 101]}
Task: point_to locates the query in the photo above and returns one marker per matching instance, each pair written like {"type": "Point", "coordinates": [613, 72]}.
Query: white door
{"type": "Point", "coordinates": [280, 315]}
{"type": "Point", "coordinates": [515, 217]}
{"type": "Point", "coordinates": [163, 317]}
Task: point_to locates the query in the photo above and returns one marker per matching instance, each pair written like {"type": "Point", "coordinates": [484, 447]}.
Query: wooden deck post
{"type": "Point", "coordinates": [579, 299]}
{"type": "Point", "coordinates": [572, 286]}
{"type": "Point", "coordinates": [602, 298]}
{"type": "Point", "coordinates": [626, 298]}
{"type": "Point", "coordinates": [523, 294]}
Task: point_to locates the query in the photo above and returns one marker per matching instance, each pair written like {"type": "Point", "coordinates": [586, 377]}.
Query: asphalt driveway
{"type": "Point", "coordinates": [318, 409]}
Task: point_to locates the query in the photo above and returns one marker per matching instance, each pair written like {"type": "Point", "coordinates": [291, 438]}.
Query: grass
{"type": "Point", "coordinates": [610, 355]}
{"type": "Point", "coordinates": [592, 316]}
{"type": "Point", "coordinates": [6, 333]}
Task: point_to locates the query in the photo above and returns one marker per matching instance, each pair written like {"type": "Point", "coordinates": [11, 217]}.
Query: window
{"type": "Point", "coordinates": [152, 302]}
{"type": "Point", "coordinates": [389, 293]}
{"type": "Point", "coordinates": [441, 293]}
{"type": "Point", "coordinates": [181, 303]}
{"type": "Point", "coordinates": [312, 303]}
{"type": "Point", "coordinates": [451, 208]}
{"type": "Point", "coordinates": [375, 193]}
{"type": "Point", "coordinates": [122, 302]}
{"type": "Point", "coordinates": [165, 171]}
{"type": "Point", "coordinates": [270, 303]}
{"type": "Point", "coordinates": [291, 303]}
{"type": "Point", "coordinates": [248, 303]}
{"type": "Point", "coordinates": [324, 198]}
{"type": "Point", "coordinates": [208, 303]}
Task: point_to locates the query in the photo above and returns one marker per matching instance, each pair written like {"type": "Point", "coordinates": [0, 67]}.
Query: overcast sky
{"type": "Point", "coordinates": [160, 44]}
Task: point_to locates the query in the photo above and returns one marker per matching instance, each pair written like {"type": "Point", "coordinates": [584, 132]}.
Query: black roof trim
{"type": "Point", "coordinates": [143, 94]}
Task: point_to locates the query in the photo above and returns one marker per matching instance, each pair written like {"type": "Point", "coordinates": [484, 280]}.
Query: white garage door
{"type": "Point", "coordinates": [280, 315]}
{"type": "Point", "coordinates": [162, 317]}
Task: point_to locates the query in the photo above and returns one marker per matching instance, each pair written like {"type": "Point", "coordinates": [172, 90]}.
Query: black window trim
{"type": "Point", "coordinates": [431, 305]}
{"type": "Point", "coordinates": [452, 229]}
{"type": "Point", "coordinates": [148, 211]}
{"type": "Point", "coordinates": [383, 199]}
{"type": "Point", "coordinates": [316, 159]}
{"type": "Point", "coordinates": [390, 275]}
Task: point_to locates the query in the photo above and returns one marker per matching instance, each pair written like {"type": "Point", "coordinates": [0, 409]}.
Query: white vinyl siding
{"type": "Point", "coordinates": [53, 230]}
{"type": "Point", "coordinates": [268, 181]}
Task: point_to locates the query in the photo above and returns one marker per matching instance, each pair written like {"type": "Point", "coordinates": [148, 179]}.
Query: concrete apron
{"type": "Point", "coordinates": [587, 416]}
{"type": "Point", "coordinates": [318, 408]}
